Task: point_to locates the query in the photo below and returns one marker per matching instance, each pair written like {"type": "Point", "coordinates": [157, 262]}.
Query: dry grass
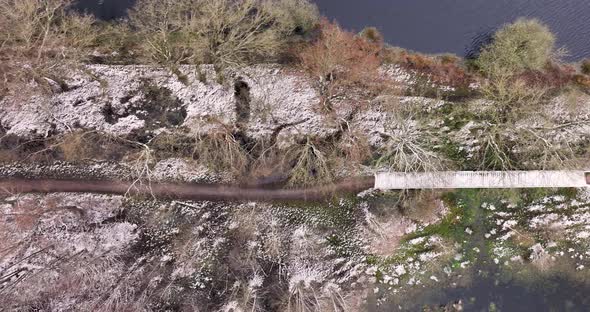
{"type": "Point", "coordinates": [409, 149]}
{"type": "Point", "coordinates": [38, 37]}
{"type": "Point", "coordinates": [310, 165]}
{"type": "Point", "coordinates": [172, 144]}
{"type": "Point", "coordinates": [309, 297]}
{"type": "Point", "coordinates": [505, 146]}
{"type": "Point", "coordinates": [244, 297]}
{"type": "Point", "coordinates": [353, 149]}
{"type": "Point", "coordinates": [220, 150]}
{"type": "Point", "coordinates": [512, 97]}
{"type": "Point", "coordinates": [76, 147]}
{"type": "Point", "coordinates": [141, 164]}
{"type": "Point", "coordinates": [43, 274]}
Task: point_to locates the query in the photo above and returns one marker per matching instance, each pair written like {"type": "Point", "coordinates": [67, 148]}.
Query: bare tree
{"type": "Point", "coordinates": [223, 33]}
{"type": "Point", "coordinates": [339, 60]}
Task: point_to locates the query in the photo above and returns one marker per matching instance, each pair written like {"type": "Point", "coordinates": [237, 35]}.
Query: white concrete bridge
{"type": "Point", "coordinates": [481, 179]}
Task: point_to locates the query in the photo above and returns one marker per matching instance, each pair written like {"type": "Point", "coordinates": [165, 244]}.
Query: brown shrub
{"type": "Point", "coordinates": [423, 205]}
{"type": "Point", "coordinates": [83, 146]}
{"type": "Point", "coordinates": [555, 76]}
{"type": "Point", "coordinates": [444, 70]}
{"type": "Point", "coordinates": [449, 59]}
{"type": "Point", "coordinates": [338, 54]}
{"type": "Point", "coordinates": [393, 55]}
{"type": "Point", "coordinates": [339, 59]}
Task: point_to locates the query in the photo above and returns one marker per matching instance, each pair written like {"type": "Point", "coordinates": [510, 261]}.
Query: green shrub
{"type": "Point", "coordinates": [586, 67]}
{"type": "Point", "coordinates": [116, 44]}
{"type": "Point", "coordinates": [372, 35]}
{"type": "Point", "coordinates": [293, 17]}
{"type": "Point", "coordinates": [223, 32]}
{"type": "Point", "coordinates": [526, 44]}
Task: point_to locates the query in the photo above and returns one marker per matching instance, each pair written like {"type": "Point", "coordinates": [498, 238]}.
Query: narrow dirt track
{"type": "Point", "coordinates": [186, 191]}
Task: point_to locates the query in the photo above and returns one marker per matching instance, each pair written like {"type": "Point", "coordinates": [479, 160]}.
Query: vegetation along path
{"type": "Point", "coordinates": [186, 191]}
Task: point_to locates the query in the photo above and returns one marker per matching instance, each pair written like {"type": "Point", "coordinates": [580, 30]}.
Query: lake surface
{"type": "Point", "coordinates": [437, 26]}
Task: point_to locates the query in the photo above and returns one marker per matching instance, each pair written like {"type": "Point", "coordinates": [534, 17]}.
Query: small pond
{"type": "Point", "coordinates": [498, 263]}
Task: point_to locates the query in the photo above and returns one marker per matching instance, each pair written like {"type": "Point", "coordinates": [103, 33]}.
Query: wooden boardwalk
{"type": "Point", "coordinates": [481, 179]}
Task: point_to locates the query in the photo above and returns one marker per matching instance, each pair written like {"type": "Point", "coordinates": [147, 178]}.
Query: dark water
{"type": "Point", "coordinates": [488, 287]}
{"type": "Point", "coordinates": [106, 9]}
{"type": "Point", "coordinates": [437, 26]}
{"type": "Point", "coordinates": [551, 294]}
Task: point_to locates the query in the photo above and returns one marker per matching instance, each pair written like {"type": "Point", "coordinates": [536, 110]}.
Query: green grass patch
{"type": "Point", "coordinates": [460, 217]}
{"type": "Point", "coordinates": [337, 214]}
{"type": "Point", "coordinates": [336, 218]}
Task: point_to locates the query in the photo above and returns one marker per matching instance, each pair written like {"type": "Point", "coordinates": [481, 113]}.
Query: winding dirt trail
{"type": "Point", "coordinates": [185, 191]}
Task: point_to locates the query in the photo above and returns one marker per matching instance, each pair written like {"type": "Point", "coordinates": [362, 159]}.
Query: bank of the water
{"type": "Point", "coordinates": [435, 26]}
{"type": "Point", "coordinates": [460, 26]}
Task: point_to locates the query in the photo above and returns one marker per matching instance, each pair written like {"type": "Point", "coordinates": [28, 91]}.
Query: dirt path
{"type": "Point", "coordinates": [185, 191]}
